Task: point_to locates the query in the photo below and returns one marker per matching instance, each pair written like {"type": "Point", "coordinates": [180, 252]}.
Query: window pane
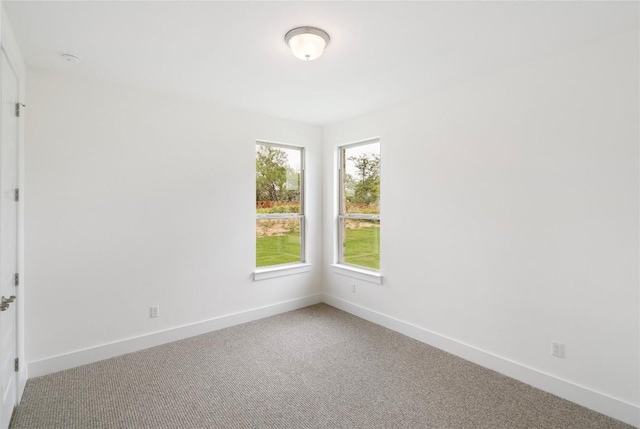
{"type": "Point", "coordinates": [361, 180]}
{"type": "Point", "coordinates": [278, 181]}
{"type": "Point", "coordinates": [361, 242]}
{"type": "Point", "coordinates": [277, 241]}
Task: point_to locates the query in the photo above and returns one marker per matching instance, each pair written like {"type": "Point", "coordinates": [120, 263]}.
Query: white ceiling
{"type": "Point", "coordinates": [233, 53]}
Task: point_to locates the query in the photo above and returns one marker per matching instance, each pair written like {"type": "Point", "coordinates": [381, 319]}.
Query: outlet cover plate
{"type": "Point", "coordinates": [557, 349]}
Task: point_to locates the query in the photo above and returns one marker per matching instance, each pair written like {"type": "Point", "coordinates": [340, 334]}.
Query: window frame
{"type": "Point", "coordinates": [341, 267]}
{"type": "Point", "coordinates": [269, 271]}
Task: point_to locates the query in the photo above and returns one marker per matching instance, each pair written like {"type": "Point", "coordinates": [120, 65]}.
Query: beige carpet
{"type": "Point", "coordinates": [312, 368]}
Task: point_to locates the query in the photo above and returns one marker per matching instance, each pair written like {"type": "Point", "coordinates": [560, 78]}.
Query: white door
{"type": "Point", "coordinates": [8, 241]}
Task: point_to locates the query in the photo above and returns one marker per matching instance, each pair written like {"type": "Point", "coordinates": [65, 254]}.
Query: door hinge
{"type": "Point", "coordinates": [16, 364]}
{"type": "Point", "coordinates": [16, 280]}
{"type": "Point", "coordinates": [17, 110]}
{"type": "Point", "coordinates": [16, 195]}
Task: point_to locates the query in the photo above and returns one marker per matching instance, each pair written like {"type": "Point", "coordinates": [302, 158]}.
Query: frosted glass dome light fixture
{"type": "Point", "coordinates": [307, 43]}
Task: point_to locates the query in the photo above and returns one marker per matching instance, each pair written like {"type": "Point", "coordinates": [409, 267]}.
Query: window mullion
{"type": "Point", "coordinates": [360, 216]}
{"type": "Point", "coordinates": [279, 216]}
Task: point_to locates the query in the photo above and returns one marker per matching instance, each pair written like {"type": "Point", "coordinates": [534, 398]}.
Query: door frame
{"type": "Point", "coordinates": [10, 47]}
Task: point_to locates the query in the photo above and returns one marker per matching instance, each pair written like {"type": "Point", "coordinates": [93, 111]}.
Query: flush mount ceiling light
{"type": "Point", "coordinates": [307, 43]}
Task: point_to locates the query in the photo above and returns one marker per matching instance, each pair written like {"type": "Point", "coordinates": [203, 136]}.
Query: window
{"type": "Point", "coordinates": [359, 205]}
{"type": "Point", "coordinates": [279, 205]}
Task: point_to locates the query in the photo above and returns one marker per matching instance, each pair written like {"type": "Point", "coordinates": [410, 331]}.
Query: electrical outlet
{"type": "Point", "coordinates": [557, 349]}
{"type": "Point", "coordinates": [353, 288]}
{"type": "Point", "coordinates": [154, 311]}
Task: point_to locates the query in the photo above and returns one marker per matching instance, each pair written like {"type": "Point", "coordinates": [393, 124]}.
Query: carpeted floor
{"type": "Point", "coordinates": [312, 368]}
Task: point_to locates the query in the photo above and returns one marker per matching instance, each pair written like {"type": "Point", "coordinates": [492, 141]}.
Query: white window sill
{"type": "Point", "coordinates": [280, 271]}
{"type": "Point", "coordinates": [358, 273]}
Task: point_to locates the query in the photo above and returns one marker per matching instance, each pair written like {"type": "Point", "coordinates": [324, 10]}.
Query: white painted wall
{"type": "Point", "coordinates": [138, 199]}
{"type": "Point", "coordinates": [510, 214]}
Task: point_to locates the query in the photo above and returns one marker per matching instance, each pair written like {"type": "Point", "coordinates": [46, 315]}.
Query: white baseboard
{"type": "Point", "coordinates": [105, 351]}
{"type": "Point", "coordinates": [612, 407]}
